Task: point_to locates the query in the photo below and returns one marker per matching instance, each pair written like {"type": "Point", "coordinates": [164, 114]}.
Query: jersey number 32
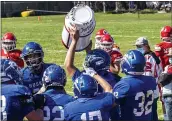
{"type": "Point", "coordinates": [145, 106]}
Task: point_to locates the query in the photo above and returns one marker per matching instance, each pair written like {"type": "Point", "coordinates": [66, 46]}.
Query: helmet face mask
{"type": "Point", "coordinates": [98, 37]}
{"type": "Point", "coordinates": [9, 41]}
{"type": "Point", "coordinates": [167, 39]}
{"type": "Point", "coordinates": [105, 43]}
{"type": "Point", "coordinates": [97, 42]}
{"type": "Point", "coordinates": [34, 60]}
{"type": "Point", "coordinates": [106, 46]}
{"type": "Point", "coordinates": [33, 55]}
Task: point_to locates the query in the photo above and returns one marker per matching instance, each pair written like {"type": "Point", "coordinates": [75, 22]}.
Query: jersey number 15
{"type": "Point", "coordinates": [3, 106]}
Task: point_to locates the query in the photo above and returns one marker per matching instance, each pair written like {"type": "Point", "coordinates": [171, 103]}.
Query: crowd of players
{"type": "Point", "coordinates": [37, 91]}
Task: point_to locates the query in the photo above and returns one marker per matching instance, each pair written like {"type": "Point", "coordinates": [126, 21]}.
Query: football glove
{"type": "Point", "coordinates": [90, 71]}
{"type": "Point", "coordinates": [39, 100]}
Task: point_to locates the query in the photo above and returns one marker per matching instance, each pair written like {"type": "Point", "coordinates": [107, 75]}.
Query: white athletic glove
{"type": "Point", "coordinates": [90, 71]}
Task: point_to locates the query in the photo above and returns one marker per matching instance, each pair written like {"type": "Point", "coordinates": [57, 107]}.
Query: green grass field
{"type": "Point", "coordinates": [125, 28]}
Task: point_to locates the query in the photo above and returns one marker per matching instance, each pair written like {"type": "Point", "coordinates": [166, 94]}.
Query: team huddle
{"type": "Point", "coordinates": [37, 91]}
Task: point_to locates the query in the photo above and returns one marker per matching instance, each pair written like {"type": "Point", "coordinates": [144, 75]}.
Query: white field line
{"type": "Point", "coordinates": [133, 36]}
{"type": "Point", "coordinates": [62, 51]}
{"type": "Point", "coordinates": [114, 35]}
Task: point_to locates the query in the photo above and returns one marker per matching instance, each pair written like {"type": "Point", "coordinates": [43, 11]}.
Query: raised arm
{"type": "Point", "coordinates": [104, 84]}
{"type": "Point", "coordinates": [69, 60]}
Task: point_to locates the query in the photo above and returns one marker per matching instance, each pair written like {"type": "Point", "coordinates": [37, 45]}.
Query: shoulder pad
{"type": "Point", "coordinates": [16, 90]}
{"type": "Point", "coordinates": [14, 54]}
{"type": "Point", "coordinates": [23, 90]}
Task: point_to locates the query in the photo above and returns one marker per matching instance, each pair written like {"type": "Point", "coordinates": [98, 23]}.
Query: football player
{"type": "Point", "coordinates": [33, 55]}
{"type": "Point", "coordinates": [97, 59]}
{"type": "Point", "coordinates": [161, 49]}
{"type": "Point", "coordinates": [134, 92]}
{"type": "Point", "coordinates": [166, 81]}
{"type": "Point", "coordinates": [107, 45]}
{"type": "Point", "coordinates": [90, 105]}
{"type": "Point", "coordinates": [9, 50]}
{"type": "Point", "coordinates": [153, 68]}
{"type": "Point", "coordinates": [105, 42]}
{"type": "Point", "coordinates": [54, 80]}
{"type": "Point", "coordinates": [16, 99]}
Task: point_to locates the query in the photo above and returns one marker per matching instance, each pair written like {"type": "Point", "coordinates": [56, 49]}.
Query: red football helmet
{"type": "Point", "coordinates": [9, 41]}
{"type": "Point", "coordinates": [100, 33]}
{"type": "Point", "coordinates": [115, 56]}
{"type": "Point", "coordinates": [105, 43]}
{"type": "Point", "coordinates": [166, 33]}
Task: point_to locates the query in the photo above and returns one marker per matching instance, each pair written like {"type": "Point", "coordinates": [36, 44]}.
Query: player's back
{"type": "Point", "coordinates": [137, 102]}
{"type": "Point", "coordinates": [96, 108]}
{"type": "Point", "coordinates": [16, 102]}
{"type": "Point", "coordinates": [54, 105]}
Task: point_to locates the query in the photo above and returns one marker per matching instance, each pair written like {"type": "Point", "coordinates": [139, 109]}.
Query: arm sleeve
{"type": "Point", "coordinates": [27, 106]}
{"type": "Point", "coordinates": [158, 50]}
{"type": "Point", "coordinates": [27, 109]}
{"type": "Point", "coordinates": [26, 101]}
{"type": "Point", "coordinates": [165, 79]}
{"type": "Point", "coordinates": [109, 100]}
{"type": "Point", "coordinates": [120, 91]}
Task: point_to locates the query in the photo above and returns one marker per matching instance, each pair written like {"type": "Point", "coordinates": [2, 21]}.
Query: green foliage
{"type": "Point", "coordinates": [125, 28]}
{"type": "Point", "coordinates": [148, 11]}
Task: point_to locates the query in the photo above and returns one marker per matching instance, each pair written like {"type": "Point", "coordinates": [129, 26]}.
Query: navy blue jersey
{"type": "Point", "coordinates": [96, 108]}
{"type": "Point", "coordinates": [135, 96]}
{"type": "Point", "coordinates": [32, 80]}
{"type": "Point", "coordinates": [111, 79]}
{"type": "Point", "coordinates": [16, 102]}
{"type": "Point", "coordinates": [55, 101]}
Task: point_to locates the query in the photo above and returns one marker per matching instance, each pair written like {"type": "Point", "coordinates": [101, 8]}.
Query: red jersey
{"type": "Point", "coordinates": [161, 50]}
{"type": "Point", "coordinates": [13, 55]}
